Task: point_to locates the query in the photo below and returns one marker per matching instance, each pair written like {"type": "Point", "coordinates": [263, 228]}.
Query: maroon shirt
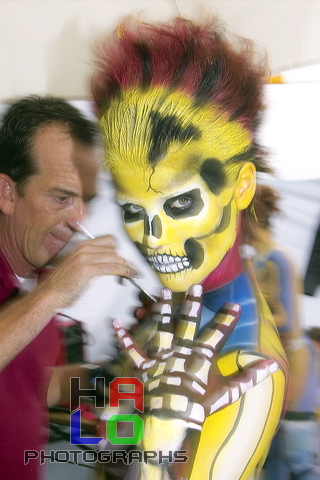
{"type": "Point", "coordinates": [23, 388]}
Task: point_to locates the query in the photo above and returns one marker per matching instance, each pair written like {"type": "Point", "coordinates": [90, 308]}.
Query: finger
{"type": "Point", "coordinates": [96, 246]}
{"type": "Point", "coordinates": [130, 347]}
{"type": "Point", "coordinates": [140, 313]}
{"type": "Point", "coordinates": [100, 257]}
{"type": "Point", "coordinates": [104, 258]}
{"type": "Point", "coordinates": [119, 264]}
{"type": "Point", "coordinates": [216, 334]}
{"type": "Point", "coordinates": [163, 315]}
{"type": "Point", "coordinates": [112, 268]}
{"type": "Point", "coordinates": [103, 254]}
{"type": "Point", "coordinates": [105, 240]}
{"type": "Point", "coordinates": [189, 316]}
{"type": "Point", "coordinates": [238, 385]}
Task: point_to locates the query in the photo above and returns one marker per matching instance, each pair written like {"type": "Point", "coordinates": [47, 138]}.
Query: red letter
{"type": "Point", "coordinates": [136, 395]}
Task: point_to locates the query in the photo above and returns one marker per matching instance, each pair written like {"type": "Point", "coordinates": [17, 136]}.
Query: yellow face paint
{"type": "Point", "coordinates": [159, 144]}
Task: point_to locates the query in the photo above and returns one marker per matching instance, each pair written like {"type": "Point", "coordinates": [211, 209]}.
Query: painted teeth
{"type": "Point", "coordinates": [169, 263]}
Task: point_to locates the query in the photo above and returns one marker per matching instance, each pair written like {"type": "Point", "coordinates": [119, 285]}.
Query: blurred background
{"type": "Point", "coordinates": [46, 48]}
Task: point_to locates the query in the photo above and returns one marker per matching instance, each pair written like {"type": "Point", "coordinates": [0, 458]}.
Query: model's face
{"type": "Point", "coordinates": [182, 218]}
{"type": "Point", "coordinates": [182, 229]}
{"type": "Point", "coordinates": [43, 218]}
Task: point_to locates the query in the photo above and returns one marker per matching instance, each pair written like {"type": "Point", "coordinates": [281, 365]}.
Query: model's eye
{"type": "Point", "coordinates": [132, 212]}
{"type": "Point", "coordinates": [131, 208]}
{"type": "Point", "coordinates": [185, 205]}
{"type": "Point", "coordinates": [182, 203]}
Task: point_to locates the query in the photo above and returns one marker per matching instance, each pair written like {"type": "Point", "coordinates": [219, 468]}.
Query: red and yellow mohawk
{"type": "Point", "coordinates": [195, 58]}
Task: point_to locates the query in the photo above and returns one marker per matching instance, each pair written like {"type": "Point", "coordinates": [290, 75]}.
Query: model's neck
{"type": "Point", "coordinates": [227, 270]}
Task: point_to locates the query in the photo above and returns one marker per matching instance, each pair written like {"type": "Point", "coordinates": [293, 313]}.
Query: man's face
{"type": "Point", "coordinates": [44, 216]}
{"type": "Point", "coordinates": [180, 219]}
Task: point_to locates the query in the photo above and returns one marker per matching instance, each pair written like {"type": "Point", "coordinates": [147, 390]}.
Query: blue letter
{"type": "Point", "coordinates": [75, 432]}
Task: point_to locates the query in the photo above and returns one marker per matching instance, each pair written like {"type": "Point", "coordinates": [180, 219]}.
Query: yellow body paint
{"type": "Point", "coordinates": [145, 190]}
{"type": "Point", "coordinates": [184, 227]}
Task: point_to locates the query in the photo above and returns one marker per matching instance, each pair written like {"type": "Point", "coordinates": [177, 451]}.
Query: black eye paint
{"type": "Point", "coordinates": [130, 216]}
{"type": "Point", "coordinates": [213, 174]}
{"type": "Point", "coordinates": [194, 204]}
{"type": "Point", "coordinates": [194, 252]}
{"type": "Point", "coordinates": [166, 129]}
{"type": "Point", "coordinates": [225, 221]}
{"type": "Point", "coordinates": [156, 227]}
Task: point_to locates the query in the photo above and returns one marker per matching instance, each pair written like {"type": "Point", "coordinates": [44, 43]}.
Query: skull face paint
{"type": "Point", "coordinates": [168, 159]}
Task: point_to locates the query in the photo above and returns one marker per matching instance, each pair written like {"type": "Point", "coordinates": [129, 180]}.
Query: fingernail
{"type": "Point", "coordinates": [236, 307]}
{"type": "Point", "coordinates": [117, 323]}
{"type": "Point", "coordinates": [196, 290]}
{"type": "Point", "coordinates": [166, 294]}
{"type": "Point", "coordinates": [274, 367]}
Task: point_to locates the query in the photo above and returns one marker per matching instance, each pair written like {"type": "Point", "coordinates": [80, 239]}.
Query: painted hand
{"type": "Point", "coordinates": [180, 372]}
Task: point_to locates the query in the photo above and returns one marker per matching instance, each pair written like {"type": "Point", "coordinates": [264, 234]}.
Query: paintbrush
{"type": "Point", "coordinates": [89, 235]}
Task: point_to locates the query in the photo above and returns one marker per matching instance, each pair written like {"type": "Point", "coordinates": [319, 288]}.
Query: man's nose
{"type": "Point", "coordinates": [77, 213]}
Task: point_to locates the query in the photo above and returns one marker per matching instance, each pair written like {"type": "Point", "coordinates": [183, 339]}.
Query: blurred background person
{"type": "Point", "coordinates": [312, 276]}
{"type": "Point", "coordinates": [314, 334]}
{"type": "Point", "coordinates": [295, 447]}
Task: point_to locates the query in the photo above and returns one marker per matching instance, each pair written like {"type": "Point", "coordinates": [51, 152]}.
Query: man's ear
{"type": "Point", "coordinates": [7, 187]}
{"type": "Point", "coordinates": [245, 185]}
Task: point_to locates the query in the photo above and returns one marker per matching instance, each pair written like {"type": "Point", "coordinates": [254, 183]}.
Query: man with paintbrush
{"type": "Point", "coordinates": [49, 158]}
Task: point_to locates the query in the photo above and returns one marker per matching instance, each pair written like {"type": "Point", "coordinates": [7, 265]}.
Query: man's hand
{"type": "Point", "coordinates": [180, 372]}
{"type": "Point", "coordinates": [90, 259]}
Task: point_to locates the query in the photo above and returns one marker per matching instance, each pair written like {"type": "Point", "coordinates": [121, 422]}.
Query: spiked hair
{"type": "Point", "coordinates": [197, 59]}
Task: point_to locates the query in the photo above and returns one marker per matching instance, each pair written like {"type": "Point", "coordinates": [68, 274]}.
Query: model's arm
{"type": "Point", "coordinates": [184, 388]}
{"type": "Point", "coordinates": [23, 318]}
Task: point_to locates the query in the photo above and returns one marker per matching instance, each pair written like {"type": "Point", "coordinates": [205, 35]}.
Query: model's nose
{"type": "Point", "coordinates": [153, 231]}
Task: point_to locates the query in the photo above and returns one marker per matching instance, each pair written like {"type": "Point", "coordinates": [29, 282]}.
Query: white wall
{"type": "Point", "coordinates": [46, 45]}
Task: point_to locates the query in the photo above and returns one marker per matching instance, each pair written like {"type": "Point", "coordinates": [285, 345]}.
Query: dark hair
{"type": "Point", "coordinates": [265, 204]}
{"type": "Point", "coordinates": [22, 121]}
{"type": "Point", "coordinates": [197, 58]}
{"type": "Point", "coordinates": [200, 59]}
{"type": "Point", "coordinates": [314, 333]}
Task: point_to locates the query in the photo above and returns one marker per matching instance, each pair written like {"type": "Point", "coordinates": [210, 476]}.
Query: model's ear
{"type": "Point", "coordinates": [7, 187]}
{"type": "Point", "coordinates": [245, 185]}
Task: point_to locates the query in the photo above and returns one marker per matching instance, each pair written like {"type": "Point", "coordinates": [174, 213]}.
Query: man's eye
{"type": "Point", "coordinates": [61, 199]}
{"type": "Point", "coordinates": [182, 202]}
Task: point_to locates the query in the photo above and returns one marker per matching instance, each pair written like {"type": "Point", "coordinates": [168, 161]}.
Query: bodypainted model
{"type": "Point", "coordinates": [178, 105]}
